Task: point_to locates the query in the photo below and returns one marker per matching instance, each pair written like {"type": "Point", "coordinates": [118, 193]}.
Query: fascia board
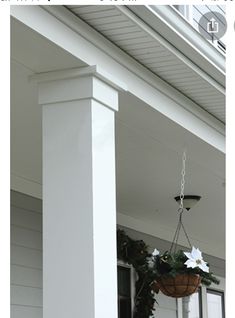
{"type": "Point", "coordinates": [63, 28]}
{"type": "Point", "coordinates": [164, 20]}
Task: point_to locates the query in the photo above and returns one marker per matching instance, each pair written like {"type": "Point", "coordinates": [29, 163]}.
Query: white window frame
{"type": "Point", "coordinates": [133, 278]}
{"type": "Point", "coordinates": [219, 288]}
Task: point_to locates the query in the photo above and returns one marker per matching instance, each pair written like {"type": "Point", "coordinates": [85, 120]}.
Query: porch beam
{"type": "Point", "coordinates": [79, 204]}
{"type": "Point", "coordinates": [80, 40]}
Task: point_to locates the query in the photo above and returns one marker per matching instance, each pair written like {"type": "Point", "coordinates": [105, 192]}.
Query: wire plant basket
{"type": "Point", "coordinates": [181, 285]}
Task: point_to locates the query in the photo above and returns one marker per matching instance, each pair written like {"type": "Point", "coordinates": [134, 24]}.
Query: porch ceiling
{"type": "Point", "coordinates": [134, 36]}
{"type": "Point", "coordinates": [148, 153]}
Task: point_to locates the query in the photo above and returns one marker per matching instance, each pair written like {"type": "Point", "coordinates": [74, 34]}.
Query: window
{"type": "Point", "coordinates": [215, 304]}
{"type": "Point", "coordinates": [192, 306]}
{"type": "Point", "coordinates": [124, 292]}
{"type": "Point", "coordinates": [206, 303]}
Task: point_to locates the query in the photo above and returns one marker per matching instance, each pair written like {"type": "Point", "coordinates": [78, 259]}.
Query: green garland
{"type": "Point", "coordinates": [136, 254]}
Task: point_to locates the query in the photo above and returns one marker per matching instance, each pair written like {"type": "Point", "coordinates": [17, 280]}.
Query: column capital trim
{"type": "Point", "coordinates": [85, 71]}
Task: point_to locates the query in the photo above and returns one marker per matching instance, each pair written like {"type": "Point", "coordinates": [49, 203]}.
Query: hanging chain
{"type": "Point", "coordinates": [180, 224]}
{"type": "Point", "coordinates": [182, 182]}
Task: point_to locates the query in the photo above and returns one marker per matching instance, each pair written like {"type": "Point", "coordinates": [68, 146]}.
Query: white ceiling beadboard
{"type": "Point", "coordinates": [147, 50]}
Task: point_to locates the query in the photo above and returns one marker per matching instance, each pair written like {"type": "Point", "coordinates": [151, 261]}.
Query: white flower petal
{"type": "Point", "coordinates": [155, 252]}
{"type": "Point", "coordinates": [190, 264]}
{"type": "Point", "coordinates": [188, 255]}
{"type": "Point", "coordinates": [151, 263]}
{"type": "Point", "coordinates": [203, 266]}
{"type": "Point", "coordinates": [196, 253]}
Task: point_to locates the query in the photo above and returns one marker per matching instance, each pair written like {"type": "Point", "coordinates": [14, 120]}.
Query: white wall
{"type": "Point", "coordinates": [166, 307]}
{"type": "Point", "coordinates": [26, 260]}
{"type": "Point", "coordinates": [26, 256]}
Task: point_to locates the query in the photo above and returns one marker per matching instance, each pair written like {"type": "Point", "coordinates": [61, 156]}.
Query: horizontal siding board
{"type": "Point", "coordinates": [26, 257]}
{"type": "Point", "coordinates": [26, 238]}
{"type": "Point", "coordinates": [26, 202]}
{"type": "Point", "coordinates": [165, 313]}
{"type": "Point", "coordinates": [26, 296]}
{"type": "Point", "coordinates": [26, 218]}
{"type": "Point", "coordinates": [26, 312]}
{"type": "Point", "coordinates": [166, 302]}
{"type": "Point", "coordinates": [24, 276]}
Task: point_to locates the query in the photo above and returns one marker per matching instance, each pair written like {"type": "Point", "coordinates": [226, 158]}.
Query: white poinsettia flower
{"type": "Point", "coordinates": [151, 258]}
{"type": "Point", "coordinates": [155, 252]}
{"type": "Point", "coordinates": [195, 260]}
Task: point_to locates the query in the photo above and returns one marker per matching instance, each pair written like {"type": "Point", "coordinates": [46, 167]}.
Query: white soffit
{"type": "Point", "coordinates": [145, 45]}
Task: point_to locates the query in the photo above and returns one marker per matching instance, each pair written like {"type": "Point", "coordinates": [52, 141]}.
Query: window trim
{"type": "Point", "coordinates": [132, 282]}
{"type": "Point", "coordinates": [220, 293]}
{"type": "Point", "coordinates": [203, 302]}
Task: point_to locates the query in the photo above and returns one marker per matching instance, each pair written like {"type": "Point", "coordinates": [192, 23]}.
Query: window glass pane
{"type": "Point", "coordinates": [124, 292]}
{"type": "Point", "coordinates": [124, 281]}
{"type": "Point", "coordinates": [215, 304]}
{"type": "Point", "coordinates": [191, 306]}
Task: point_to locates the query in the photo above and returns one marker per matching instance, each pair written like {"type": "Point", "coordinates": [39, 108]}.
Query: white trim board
{"type": "Point", "coordinates": [77, 38]}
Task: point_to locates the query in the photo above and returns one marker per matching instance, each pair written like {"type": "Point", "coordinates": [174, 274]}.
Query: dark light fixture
{"type": "Point", "coordinates": [188, 201]}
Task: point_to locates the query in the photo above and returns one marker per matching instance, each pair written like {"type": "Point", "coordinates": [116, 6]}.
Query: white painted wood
{"type": "Point", "coordinates": [179, 308]}
{"type": "Point", "coordinates": [79, 196]}
{"type": "Point", "coordinates": [165, 313]}
{"type": "Point", "coordinates": [204, 301]}
{"type": "Point", "coordinates": [92, 48]}
{"type": "Point", "coordinates": [28, 296]}
{"type": "Point", "coordinates": [26, 219]}
{"type": "Point", "coordinates": [26, 257]}
{"type": "Point", "coordinates": [18, 311]}
{"type": "Point", "coordinates": [133, 44]}
{"type": "Point", "coordinates": [165, 307]}
{"type": "Point", "coordinates": [25, 276]}
{"type": "Point", "coordinates": [27, 238]}
{"type": "Point", "coordinates": [26, 202]}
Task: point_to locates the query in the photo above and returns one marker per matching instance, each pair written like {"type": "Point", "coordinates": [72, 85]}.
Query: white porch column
{"type": "Point", "coordinates": [79, 208]}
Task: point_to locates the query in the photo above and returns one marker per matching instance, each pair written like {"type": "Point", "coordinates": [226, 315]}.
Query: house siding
{"type": "Point", "coordinates": [26, 256]}
{"type": "Point", "coordinates": [26, 260]}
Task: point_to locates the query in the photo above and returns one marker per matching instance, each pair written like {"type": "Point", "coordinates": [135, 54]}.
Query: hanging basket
{"type": "Point", "coordinates": [181, 285]}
